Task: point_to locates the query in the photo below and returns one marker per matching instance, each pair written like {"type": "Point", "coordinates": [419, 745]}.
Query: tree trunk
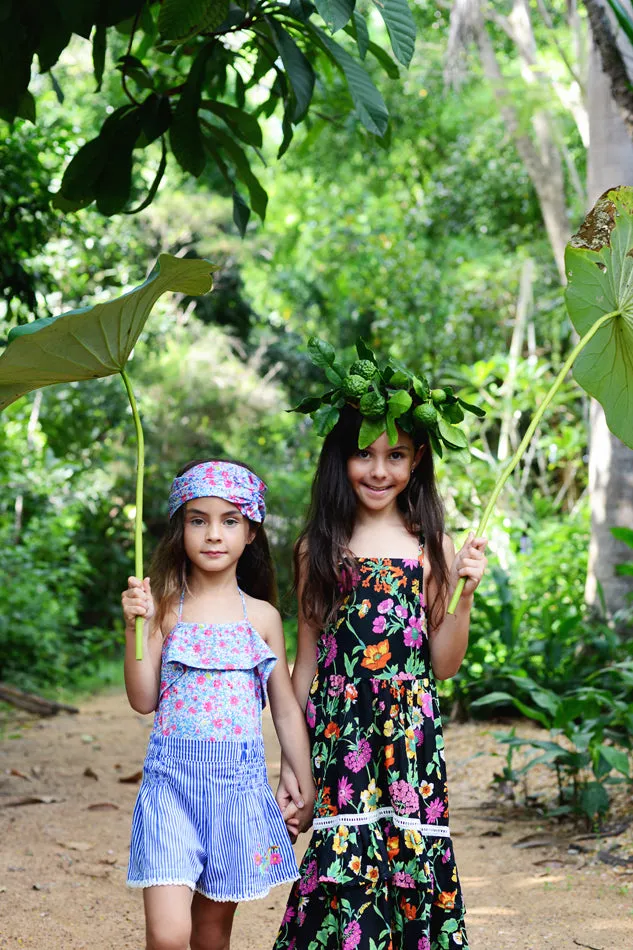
{"type": "Point", "coordinates": [610, 461]}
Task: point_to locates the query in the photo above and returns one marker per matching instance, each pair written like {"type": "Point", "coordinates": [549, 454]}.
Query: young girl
{"type": "Point", "coordinates": [375, 571]}
{"type": "Point", "coordinates": [206, 830]}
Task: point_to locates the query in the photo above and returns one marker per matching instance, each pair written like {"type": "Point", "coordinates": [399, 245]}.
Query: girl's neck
{"type": "Point", "coordinates": [220, 584]}
{"type": "Point", "coordinates": [382, 534]}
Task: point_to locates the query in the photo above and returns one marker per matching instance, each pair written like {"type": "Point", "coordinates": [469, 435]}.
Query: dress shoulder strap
{"type": "Point", "coordinates": [243, 599]}
{"type": "Point", "coordinates": [180, 605]}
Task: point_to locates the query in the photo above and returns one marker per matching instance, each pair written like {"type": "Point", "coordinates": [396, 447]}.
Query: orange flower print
{"type": "Point", "coordinates": [354, 864]}
{"type": "Point", "coordinates": [377, 655]}
{"type": "Point", "coordinates": [389, 759]}
{"type": "Point", "coordinates": [332, 730]}
{"type": "Point", "coordinates": [351, 692]}
{"type": "Point", "coordinates": [393, 846]}
{"type": "Point", "coordinates": [409, 910]}
{"type": "Point", "coordinates": [446, 900]}
{"type": "Point", "coordinates": [364, 607]}
{"type": "Point", "coordinates": [334, 903]}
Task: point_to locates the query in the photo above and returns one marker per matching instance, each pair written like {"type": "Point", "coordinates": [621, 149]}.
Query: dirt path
{"type": "Point", "coordinates": [63, 859]}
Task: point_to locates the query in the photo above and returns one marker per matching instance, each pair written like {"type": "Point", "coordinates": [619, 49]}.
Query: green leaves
{"type": "Point", "coordinates": [179, 21]}
{"type": "Point", "coordinates": [599, 265]}
{"type": "Point", "coordinates": [369, 104]}
{"type": "Point", "coordinates": [336, 13]}
{"type": "Point", "coordinates": [185, 134]}
{"type": "Point", "coordinates": [94, 341]}
{"type": "Point", "coordinates": [299, 70]}
{"type": "Point", "coordinates": [400, 26]}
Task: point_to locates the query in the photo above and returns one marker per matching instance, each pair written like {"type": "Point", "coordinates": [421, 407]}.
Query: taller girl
{"type": "Point", "coordinates": [374, 574]}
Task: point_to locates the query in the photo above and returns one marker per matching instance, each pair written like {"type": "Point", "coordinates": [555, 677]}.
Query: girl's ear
{"type": "Point", "coordinates": [418, 455]}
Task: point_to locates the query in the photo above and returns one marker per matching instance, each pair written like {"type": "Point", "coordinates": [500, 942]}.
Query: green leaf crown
{"type": "Point", "coordinates": [385, 396]}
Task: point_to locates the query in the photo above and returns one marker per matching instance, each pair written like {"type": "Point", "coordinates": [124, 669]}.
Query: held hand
{"type": "Point", "coordinates": [137, 601]}
{"type": "Point", "coordinates": [470, 562]}
{"type": "Point", "coordinates": [296, 807]}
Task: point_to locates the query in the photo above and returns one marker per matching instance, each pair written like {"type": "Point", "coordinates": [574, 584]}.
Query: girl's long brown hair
{"type": "Point", "coordinates": [170, 567]}
{"type": "Point", "coordinates": [322, 555]}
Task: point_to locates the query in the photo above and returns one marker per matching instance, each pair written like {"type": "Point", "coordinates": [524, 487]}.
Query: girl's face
{"type": "Point", "coordinates": [216, 533]}
{"type": "Point", "coordinates": [380, 472]}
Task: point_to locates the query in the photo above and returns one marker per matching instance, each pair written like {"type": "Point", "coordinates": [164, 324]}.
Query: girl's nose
{"type": "Point", "coordinates": [378, 469]}
{"type": "Point", "coordinates": [213, 531]}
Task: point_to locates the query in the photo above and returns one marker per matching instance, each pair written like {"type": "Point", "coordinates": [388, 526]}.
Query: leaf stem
{"type": "Point", "coordinates": [138, 524]}
{"type": "Point", "coordinates": [538, 415]}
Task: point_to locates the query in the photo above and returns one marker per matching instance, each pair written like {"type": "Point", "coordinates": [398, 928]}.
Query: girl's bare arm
{"type": "Point", "coordinates": [142, 677]}
{"type": "Point", "coordinates": [449, 640]}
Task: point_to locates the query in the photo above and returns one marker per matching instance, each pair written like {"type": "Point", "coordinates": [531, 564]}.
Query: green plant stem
{"type": "Point", "coordinates": [538, 415]}
{"type": "Point", "coordinates": [138, 522]}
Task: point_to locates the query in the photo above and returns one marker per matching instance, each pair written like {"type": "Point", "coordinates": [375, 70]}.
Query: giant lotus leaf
{"type": "Point", "coordinates": [599, 266]}
{"type": "Point", "coordinates": [93, 341]}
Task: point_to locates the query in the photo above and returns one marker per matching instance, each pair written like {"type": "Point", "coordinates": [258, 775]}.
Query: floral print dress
{"type": "Point", "coordinates": [379, 873]}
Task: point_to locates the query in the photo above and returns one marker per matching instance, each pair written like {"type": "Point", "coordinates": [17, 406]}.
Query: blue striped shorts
{"type": "Point", "coordinates": [206, 817]}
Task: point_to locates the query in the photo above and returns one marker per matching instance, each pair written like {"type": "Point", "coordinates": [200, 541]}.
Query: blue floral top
{"type": "Point", "coordinates": [213, 681]}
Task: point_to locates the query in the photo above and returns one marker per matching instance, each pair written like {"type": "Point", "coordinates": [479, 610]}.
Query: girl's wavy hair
{"type": "Point", "coordinates": [170, 567]}
{"type": "Point", "coordinates": [322, 556]}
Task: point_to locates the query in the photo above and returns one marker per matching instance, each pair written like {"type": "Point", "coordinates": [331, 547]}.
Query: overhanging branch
{"type": "Point", "coordinates": [612, 62]}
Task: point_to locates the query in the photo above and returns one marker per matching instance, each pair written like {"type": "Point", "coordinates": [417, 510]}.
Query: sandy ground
{"type": "Point", "coordinates": [63, 855]}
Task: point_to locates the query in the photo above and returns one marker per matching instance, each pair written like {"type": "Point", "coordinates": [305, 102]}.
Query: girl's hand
{"type": "Point", "coordinates": [296, 808]}
{"type": "Point", "coordinates": [137, 601]}
{"type": "Point", "coordinates": [470, 562]}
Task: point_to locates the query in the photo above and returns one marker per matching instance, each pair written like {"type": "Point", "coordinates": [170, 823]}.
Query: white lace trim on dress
{"type": "Point", "coordinates": [369, 817]}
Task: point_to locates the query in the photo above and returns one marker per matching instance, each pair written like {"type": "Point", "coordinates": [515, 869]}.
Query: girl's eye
{"type": "Point", "coordinates": [362, 454]}
{"type": "Point", "coordinates": [196, 522]}
{"type": "Point", "coordinates": [231, 521]}
{"type": "Point", "coordinates": [397, 456]}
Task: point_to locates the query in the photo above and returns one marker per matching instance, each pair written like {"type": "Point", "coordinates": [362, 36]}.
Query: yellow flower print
{"type": "Point", "coordinates": [342, 831]}
{"type": "Point", "coordinates": [454, 875]}
{"type": "Point", "coordinates": [413, 840]}
{"type": "Point", "coordinates": [315, 684]}
{"type": "Point", "coordinates": [354, 864]}
{"type": "Point", "coordinates": [372, 874]}
{"type": "Point", "coordinates": [458, 938]}
{"type": "Point", "coordinates": [340, 844]}
{"type": "Point", "coordinates": [364, 607]}
{"type": "Point", "coordinates": [426, 790]}
{"type": "Point", "coordinates": [371, 795]}
{"type": "Point", "coordinates": [393, 712]}
{"type": "Point", "coordinates": [410, 743]}
{"type": "Point", "coordinates": [388, 728]}
{"type": "Point", "coordinates": [415, 586]}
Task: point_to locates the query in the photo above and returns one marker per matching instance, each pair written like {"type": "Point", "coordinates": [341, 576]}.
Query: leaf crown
{"type": "Point", "coordinates": [385, 395]}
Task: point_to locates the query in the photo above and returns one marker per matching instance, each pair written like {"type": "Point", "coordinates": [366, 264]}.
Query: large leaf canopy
{"type": "Point", "coordinates": [599, 265]}
{"type": "Point", "coordinates": [93, 341]}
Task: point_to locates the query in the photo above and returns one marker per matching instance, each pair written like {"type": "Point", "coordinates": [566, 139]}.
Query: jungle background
{"type": "Point", "coordinates": [438, 237]}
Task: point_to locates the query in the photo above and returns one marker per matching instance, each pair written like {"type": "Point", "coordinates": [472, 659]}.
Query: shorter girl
{"type": "Point", "coordinates": [206, 830]}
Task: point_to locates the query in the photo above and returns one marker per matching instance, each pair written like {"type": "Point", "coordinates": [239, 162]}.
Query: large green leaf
{"type": "Point", "coordinates": [93, 341]}
{"type": "Point", "coordinates": [299, 70]}
{"type": "Point", "coordinates": [336, 13]}
{"type": "Point", "coordinates": [369, 104]}
{"type": "Point", "coordinates": [599, 266]}
{"type": "Point", "coordinates": [400, 26]}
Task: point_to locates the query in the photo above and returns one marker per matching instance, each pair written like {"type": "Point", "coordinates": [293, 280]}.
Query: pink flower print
{"type": "Point", "coordinates": [359, 757]}
{"type": "Point", "coordinates": [311, 714]}
{"type": "Point", "coordinates": [413, 636]}
{"type": "Point", "coordinates": [238, 730]}
{"type": "Point", "coordinates": [329, 643]}
{"type": "Point", "coordinates": [275, 858]}
{"type": "Point", "coordinates": [192, 710]}
{"type": "Point", "coordinates": [208, 706]}
{"type": "Point", "coordinates": [410, 563]}
{"type": "Point", "coordinates": [179, 704]}
{"type": "Point", "coordinates": [309, 881]}
{"type": "Point", "coordinates": [385, 606]}
{"type": "Point", "coordinates": [351, 935]}
{"type": "Point", "coordinates": [402, 879]}
{"type": "Point", "coordinates": [287, 917]}
{"type": "Point", "coordinates": [375, 685]}
{"type": "Point", "coordinates": [258, 859]}
{"type": "Point", "coordinates": [197, 647]}
{"type": "Point", "coordinates": [434, 810]}
{"type": "Point", "coordinates": [234, 700]}
{"type": "Point", "coordinates": [217, 723]}
{"type": "Point", "coordinates": [446, 856]}
{"type": "Point", "coordinates": [424, 943]}
{"type": "Point", "coordinates": [402, 611]}
{"type": "Point", "coordinates": [403, 797]}
{"type": "Point", "coordinates": [379, 624]}
{"type": "Point", "coordinates": [427, 705]}
{"type": "Point", "coordinates": [217, 684]}
{"type": "Point", "coordinates": [337, 684]}
{"type": "Point", "coordinates": [345, 791]}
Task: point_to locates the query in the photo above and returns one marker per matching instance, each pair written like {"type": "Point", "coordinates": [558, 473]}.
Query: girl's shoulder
{"type": "Point", "coordinates": [261, 613]}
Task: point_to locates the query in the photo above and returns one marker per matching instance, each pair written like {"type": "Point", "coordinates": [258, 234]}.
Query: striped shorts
{"type": "Point", "coordinates": [206, 817]}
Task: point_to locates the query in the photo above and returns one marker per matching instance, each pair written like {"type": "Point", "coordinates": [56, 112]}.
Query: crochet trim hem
{"type": "Point", "coordinates": [371, 817]}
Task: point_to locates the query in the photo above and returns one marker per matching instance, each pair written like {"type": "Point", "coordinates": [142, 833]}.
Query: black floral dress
{"type": "Point", "coordinates": [379, 873]}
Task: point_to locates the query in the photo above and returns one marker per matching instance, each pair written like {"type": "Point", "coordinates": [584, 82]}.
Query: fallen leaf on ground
{"type": "Point", "coordinates": [132, 779]}
{"type": "Point", "coordinates": [90, 773]}
{"type": "Point", "coordinates": [103, 806]}
{"type": "Point", "coordinates": [76, 845]}
{"type": "Point", "coordinates": [536, 841]}
{"type": "Point", "coordinates": [31, 800]}
{"type": "Point", "coordinates": [19, 774]}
